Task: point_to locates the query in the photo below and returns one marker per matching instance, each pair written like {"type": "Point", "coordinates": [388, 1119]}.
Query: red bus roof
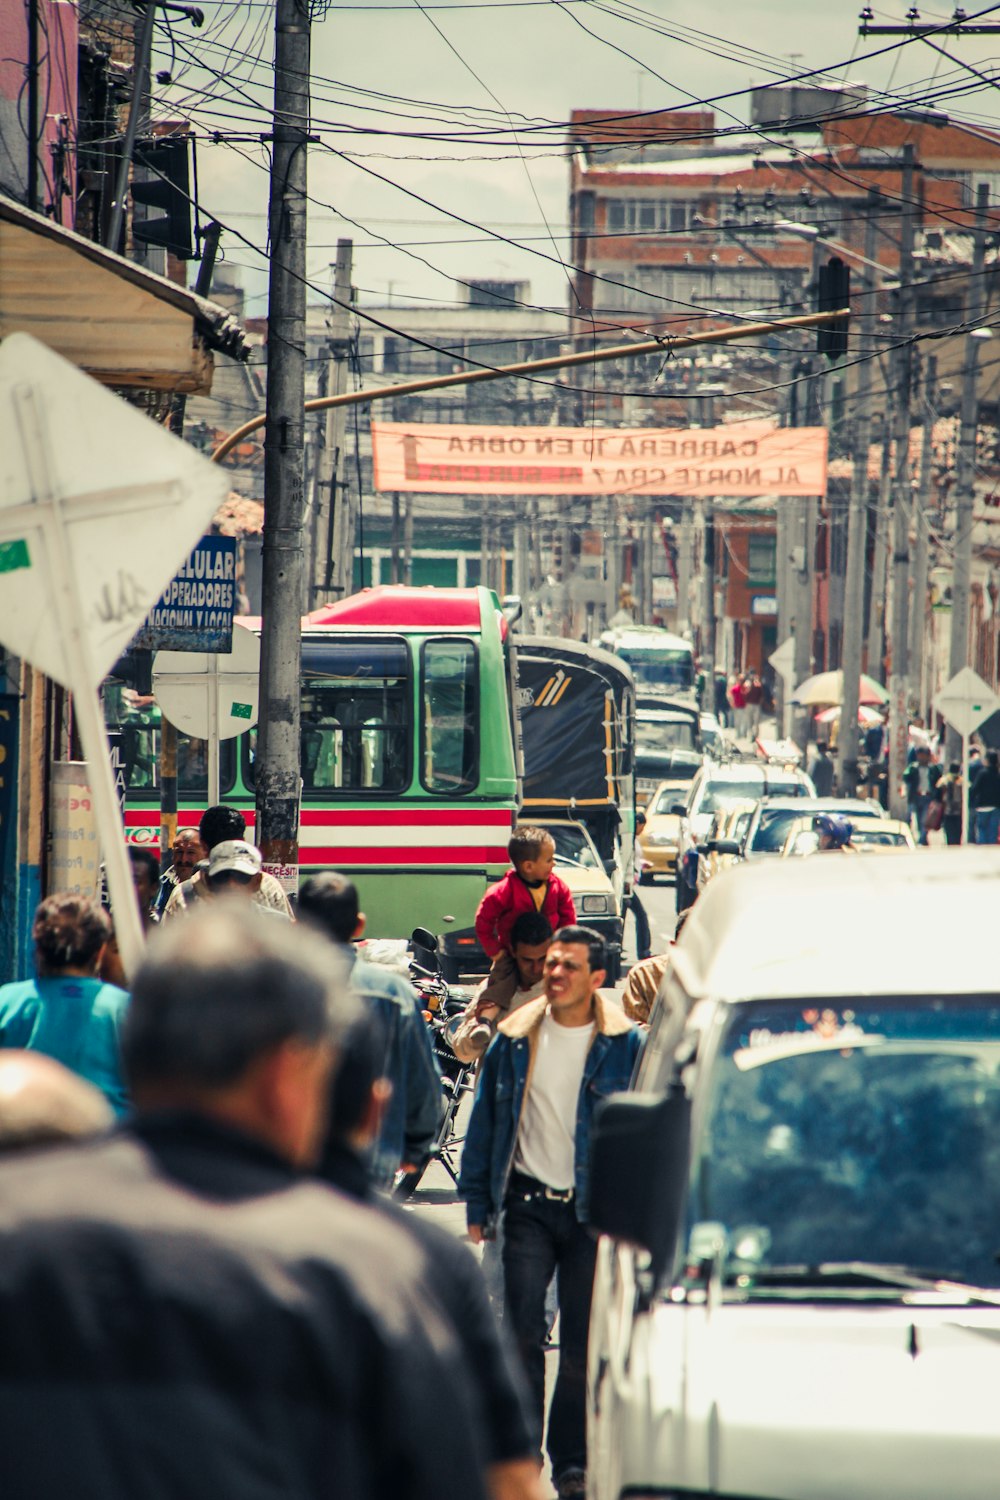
{"type": "Point", "coordinates": [392, 606]}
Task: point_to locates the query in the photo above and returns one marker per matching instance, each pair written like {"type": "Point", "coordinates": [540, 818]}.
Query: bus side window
{"type": "Point", "coordinates": [449, 711]}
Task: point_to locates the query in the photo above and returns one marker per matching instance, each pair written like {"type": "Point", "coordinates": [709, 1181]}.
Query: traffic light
{"type": "Point", "coordinates": [833, 292]}
{"type": "Point", "coordinates": [169, 189]}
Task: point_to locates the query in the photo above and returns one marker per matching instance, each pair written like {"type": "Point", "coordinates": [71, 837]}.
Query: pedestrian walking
{"type": "Point", "coordinates": [185, 1313]}
{"type": "Point", "coordinates": [187, 853]}
{"type": "Point", "coordinates": [222, 824]}
{"type": "Point", "coordinates": [530, 940]}
{"type": "Point", "coordinates": [738, 699]}
{"type": "Point", "coordinates": [920, 779]}
{"type": "Point", "coordinates": [949, 792]}
{"type": "Point", "coordinates": [527, 1155]}
{"type": "Point", "coordinates": [68, 1012]}
{"type": "Point", "coordinates": [984, 797]}
{"type": "Point", "coordinates": [360, 1094]}
{"type": "Point", "coordinates": [754, 694]}
{"type": "Point", "coordinates": [642, 934]}
{"type": "Point", "coordinates": [821, 770]}
{"type": "Point", "coordinates": [410, 1122]}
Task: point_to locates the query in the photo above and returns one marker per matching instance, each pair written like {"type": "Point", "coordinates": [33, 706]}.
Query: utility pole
{"type": "Point", "coordinates": [901, 497]}
{"type": "Point", "coordinates": [332, 569]}
{"type": "Point", "coordinates": [278, 765]}
{"type": "Point", "coordinates": [708, 609]}
{"type": "Point", "coordinates": [140, 88]}
{"type": "Point", "coordinates": [646, 562]}
{"type": "Point", "coordinates": [857, 530]}
{"type": "Point", "coordinates": [876, 603]}
{"type": "Point", "coordinates": [965, 492]}
{"type": "Point", "coordinates": [685, 527]}
{"type": "Point", "coordinates": [921, 531]}
{"type": "Point", "coordinates": [394, 543]}
{"type": "Point", "coordinates": [34, 90]}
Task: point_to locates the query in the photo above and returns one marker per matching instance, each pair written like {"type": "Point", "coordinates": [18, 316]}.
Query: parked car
{"type": "Point", "coordinates": [797, 1292]}
{"type": "Point", "coordinates": [773, 818]}
{"type": "Point", "coordinates": [869, 834]}
{"type": "Point", "coordinates": [715, 785]}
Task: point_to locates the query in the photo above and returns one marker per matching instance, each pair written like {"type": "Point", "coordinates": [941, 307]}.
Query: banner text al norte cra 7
{"type": "Point", "coordinates": [741, 460]}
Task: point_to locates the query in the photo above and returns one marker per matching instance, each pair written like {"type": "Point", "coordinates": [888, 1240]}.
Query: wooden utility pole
{"type": "Point", "coordinates": [901, 496]}
{"type": "Point", "coordinates": [278, 749]}
{"type": "Point", "coordinates": [921, 542]}
{"type": "Point", "coordinates": [965, 490]}
{"type": "Point", "coordinates": [857, 530]}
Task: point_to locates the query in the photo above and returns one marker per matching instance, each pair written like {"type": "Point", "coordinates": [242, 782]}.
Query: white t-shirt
{"type": "Point", "coordinates": [546, 1145]}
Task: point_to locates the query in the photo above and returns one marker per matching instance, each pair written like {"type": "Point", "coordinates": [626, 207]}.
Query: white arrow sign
{"type": "Point", "coordinates": [98, 507]}
{"type": "Point", "coordinates": [966, 701]}
{"type": "Point", "coordinates": [783, 659]}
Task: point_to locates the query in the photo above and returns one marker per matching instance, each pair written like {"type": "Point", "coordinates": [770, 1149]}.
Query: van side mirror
{"type": "Point", "coordinates": [639, 1170]}
{"type": "Point", "coordinates": [728, 846]}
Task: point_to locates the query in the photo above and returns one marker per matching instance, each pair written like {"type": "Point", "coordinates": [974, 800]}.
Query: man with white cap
{"type": "Point", "coordinates": [235, 865]}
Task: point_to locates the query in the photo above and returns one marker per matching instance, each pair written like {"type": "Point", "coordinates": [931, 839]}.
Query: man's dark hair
{"type": "Point", "coordinates": [221, 989]}
{"type": "Point", "coordinates": [146, 857]}
{"type": "Point", "coordinates": [220, 823]}
{"type": "Point", "coordinates": [360, 1063]}
{"type": "Point", "coordinates": [527, 842]}
{"type": "Point", "coordinates": [330, 901]}
{"type": "Point", "coordinates": [596, 948]}
{"type": "Point", "coordinates": [68, 932]}
{"type": "Point", "coordinates": [530, 928]}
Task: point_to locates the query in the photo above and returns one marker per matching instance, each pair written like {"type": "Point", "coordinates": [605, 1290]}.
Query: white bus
{"type": "Point", "coordinates": [662, 664]}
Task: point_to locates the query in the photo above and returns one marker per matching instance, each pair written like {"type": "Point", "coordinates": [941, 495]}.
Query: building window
{"type": "Point", "coordinates": [761, 559]}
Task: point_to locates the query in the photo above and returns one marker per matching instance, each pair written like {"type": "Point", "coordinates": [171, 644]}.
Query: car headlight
{"type": "Point", "coordinates": [595, 904]}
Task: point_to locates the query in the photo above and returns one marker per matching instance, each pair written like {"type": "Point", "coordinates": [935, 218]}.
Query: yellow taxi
{"type": "Point", "coordinates": [658, 840]}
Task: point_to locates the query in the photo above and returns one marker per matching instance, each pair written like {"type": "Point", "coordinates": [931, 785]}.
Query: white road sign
{"type": "Point", "coordinates": [210, 695]}
{"type": "Point", "coordinates": [966, 701]}
{"type": "Point", "coordinates": [783, 659]}
{"type": "Point", "coordinates": [98, 507]}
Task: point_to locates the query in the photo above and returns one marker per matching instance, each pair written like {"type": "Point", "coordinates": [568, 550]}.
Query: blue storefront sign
{"type": "Point", "coordinates": [195, 611]}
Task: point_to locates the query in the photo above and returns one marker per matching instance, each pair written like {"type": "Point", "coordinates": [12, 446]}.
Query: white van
{"type": "Point", "coordinates": [798, 1285]}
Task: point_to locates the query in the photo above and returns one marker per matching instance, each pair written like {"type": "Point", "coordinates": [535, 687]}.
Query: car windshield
{"type": "Point", "coordinates": [879, 838]}
{"type": "Point", "coordinates": [772, 829]}
{"type": "Point", "coordinates": [660, 666]}
{"type": "Point", "coordinates": [860, 1130]}
{"type": "Point", "coordinates": [719, 792]}
{"type": "Point", "coordinates": [665, 734]}
{"type": "Point", "coordinates": [572, 845]}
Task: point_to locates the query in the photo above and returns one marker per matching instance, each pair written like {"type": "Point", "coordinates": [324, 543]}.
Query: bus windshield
{"type": "Point", "coordinates": [662, 733]}
{"type": "Point", "coordinates": [854, 1130]}
{"type": "Point", "coordinates": [660, 666]}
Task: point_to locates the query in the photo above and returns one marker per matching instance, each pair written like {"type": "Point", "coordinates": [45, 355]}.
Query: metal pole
{"type": "Point", "coordinates": [646, 564]}
{"type": "Point", "coordinates": [34, 133]}
{"type": "Point", "coordinates": [965, 787]}
{"type": "Point", "coordinates": [278, 769]}
{"type": "Point", "coordinates": [901, 496]}
{"type": "Point", "coordinates": [876, 603]}
{"type": "Point", "coordinates": [213, 730]}
{"type": "Point", "coordinates": [965, 492]}
{"type": "Point", "coordinates": [708, 596]}
{"type": "Point", "coordinates": [140, 73]}
{"type": "Point", "coordinates": [921, 553]}
{"type": "Point", "coordinates": [408, 540]}
{"type": "Point", "coordinates": [857, 534]}
{"type": "Point", "coordinates": [394, 543]}
{"type": "Point", "coordinates": [802, 612]}
{"type": "Point", "coordinates": [332, 570]}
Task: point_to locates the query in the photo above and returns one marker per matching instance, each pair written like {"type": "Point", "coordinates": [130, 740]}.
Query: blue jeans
{"type": "Point", "coordinates": [541, 1237]}
{"type": "Point", "coordinates": [918, 815]}
{"type": "Point", "coordinates": [987, 825]}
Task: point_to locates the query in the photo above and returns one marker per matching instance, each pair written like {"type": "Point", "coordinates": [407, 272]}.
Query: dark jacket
{"type": "Point", "coordinates": [184, 1318]}
{"type": "Point", "coordinates": [413, 1114]}
{"type": "Point", "coordinates": [504, 1078]}
{"type": "Point", "coordinates": [985, 790]}
{"type": "Point", "coordinates": [911, 779]}
{"type": "Point", "coordinates": [457, 1283]}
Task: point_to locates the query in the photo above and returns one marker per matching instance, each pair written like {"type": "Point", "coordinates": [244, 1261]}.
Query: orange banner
{"type": "Point", "coordinates": [742, 460]}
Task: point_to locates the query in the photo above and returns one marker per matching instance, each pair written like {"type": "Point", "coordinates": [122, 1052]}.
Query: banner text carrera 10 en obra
{"type": "Point", "coordinates": [742, 460]}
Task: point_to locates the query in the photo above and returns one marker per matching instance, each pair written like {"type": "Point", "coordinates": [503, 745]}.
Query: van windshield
{"type": "Point", "coordinates": [845, 1131]}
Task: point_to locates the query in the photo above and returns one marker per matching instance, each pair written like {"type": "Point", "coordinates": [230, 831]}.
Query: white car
{"type": "Point", "coordinates": [598, 903]}
{"type": "Point", "coordinates": [797, 1292]}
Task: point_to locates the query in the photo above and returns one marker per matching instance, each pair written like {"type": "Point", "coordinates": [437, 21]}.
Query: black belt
{"type": "Point", "coordinates": [530, 1187]}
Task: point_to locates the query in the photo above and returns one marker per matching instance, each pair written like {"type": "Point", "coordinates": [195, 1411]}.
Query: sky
{"type": "Point", "coordinates": [386, 76]}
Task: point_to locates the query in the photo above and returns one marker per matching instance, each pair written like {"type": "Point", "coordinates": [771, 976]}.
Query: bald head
{"type": "Point", "coordinates": [41, 1102]}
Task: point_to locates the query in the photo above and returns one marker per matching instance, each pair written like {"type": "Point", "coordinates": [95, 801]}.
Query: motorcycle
{"type": "Point", "coordinates": [442, 1005]}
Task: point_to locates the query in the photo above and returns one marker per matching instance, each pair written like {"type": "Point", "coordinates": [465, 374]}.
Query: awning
{"type": "Point", "coordinates": [120, 323]}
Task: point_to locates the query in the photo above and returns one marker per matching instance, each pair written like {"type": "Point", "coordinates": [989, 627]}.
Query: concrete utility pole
{"type": "Point", "coordinates": [965, 478]}
{"type": "Point", "coordinates": [646, 563]}
{"type": "Point", "coordinates": [278, 772]}
{"type": "Point", "coordinates": [921, 548]}
{"type": "Point", "coordinates": [332, 567]}
{"type": "Point", "coordinates": [857, 529]}
{"type": "Point", "coordinates": [708, 608]}
{"type": "Point", "coordinates": [901, 497]}
{"type": "Point", "coordinates": [876, 603]}
{"type": "Point", "coordinates": [685, 528]}
{"type": "Point", "coordinates": [140, 90]}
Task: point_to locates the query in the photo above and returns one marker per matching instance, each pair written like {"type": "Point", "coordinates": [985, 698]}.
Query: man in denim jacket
{"type": "Point", "coordinates": [527, 1153]}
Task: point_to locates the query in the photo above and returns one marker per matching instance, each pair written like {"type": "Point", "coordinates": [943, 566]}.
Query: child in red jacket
{"type": "Point", "coordinates": [530, 886]}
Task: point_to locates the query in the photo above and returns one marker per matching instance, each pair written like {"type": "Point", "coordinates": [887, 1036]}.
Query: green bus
{"type": "Point", "coordinates": [409, 753]}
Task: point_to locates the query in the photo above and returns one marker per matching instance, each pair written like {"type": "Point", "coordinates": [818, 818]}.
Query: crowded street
{"type": "Point", "coordinates": [499, 751]}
